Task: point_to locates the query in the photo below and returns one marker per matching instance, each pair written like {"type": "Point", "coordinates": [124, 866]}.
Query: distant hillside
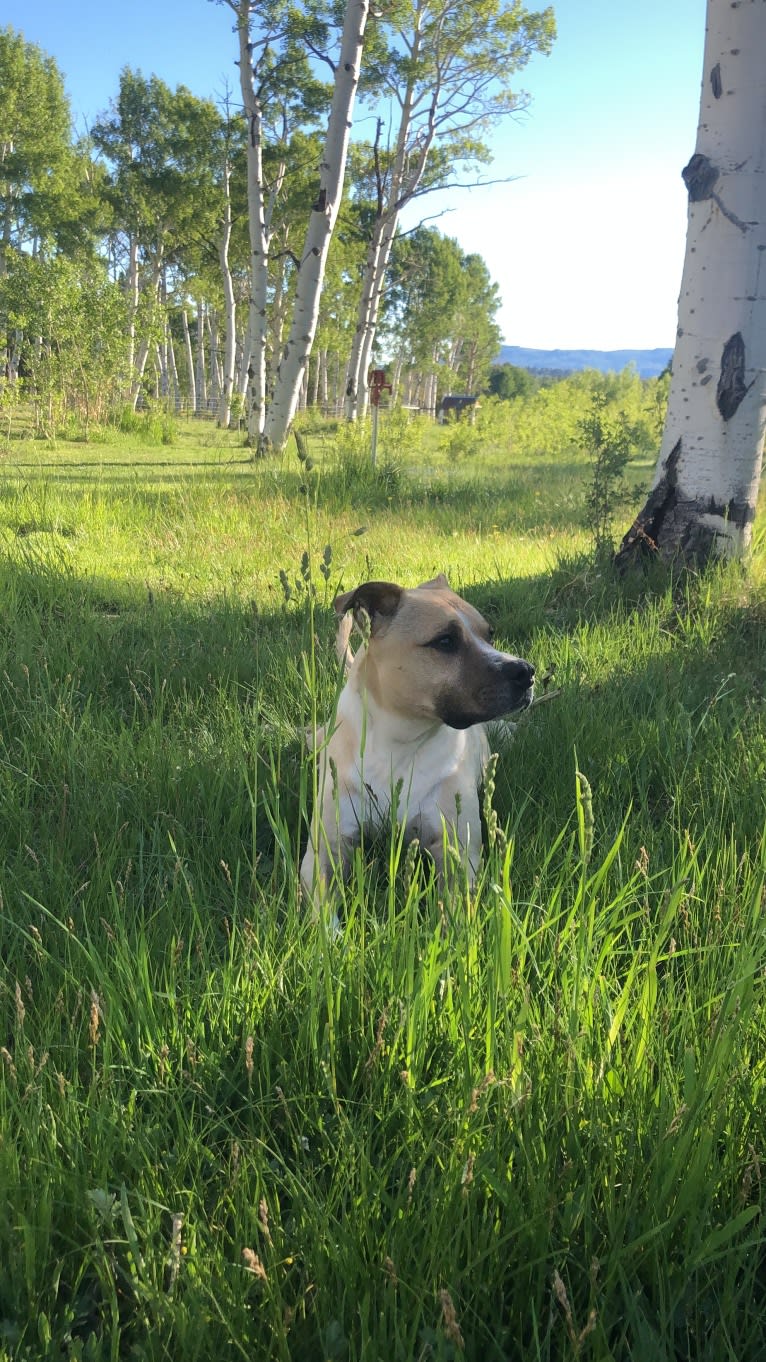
{"type": "Point", "coordinates": [649, 363]}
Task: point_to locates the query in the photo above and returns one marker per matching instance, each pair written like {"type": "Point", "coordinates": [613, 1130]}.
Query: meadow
{"type": "Point", "coordinates": [525, 1122]}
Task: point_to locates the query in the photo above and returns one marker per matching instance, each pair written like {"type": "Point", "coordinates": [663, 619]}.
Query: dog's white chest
{"type": "Point", "coordinates": [383, 771]}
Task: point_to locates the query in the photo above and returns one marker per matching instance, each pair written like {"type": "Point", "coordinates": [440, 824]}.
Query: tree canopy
{"type": "Point", "coordinates": [157, 206]}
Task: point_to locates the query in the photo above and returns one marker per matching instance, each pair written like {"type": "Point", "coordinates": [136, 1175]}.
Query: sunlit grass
{"type": "Point", "coordinates": [529, 1118]}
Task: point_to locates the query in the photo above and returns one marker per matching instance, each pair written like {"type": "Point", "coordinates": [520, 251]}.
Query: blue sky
{"type": "Point", "coordinates": [586, 243]}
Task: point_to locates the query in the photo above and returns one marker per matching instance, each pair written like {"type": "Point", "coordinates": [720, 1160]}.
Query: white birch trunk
{"type": "Point", "coordinates": [161, 370]}
{"type": "Point", "coordinates": [230, 310]}
{"type": "Point", "coordinates": [161, 363]}
{"type": "Point", "coordinates": [243, 363]}
{"type": "Point", "coordinates": [189, 362]}
{"type": "Point", "coordinates": [291, 368]}
{"type": "Point", "coordinates": [173, 369]}
{"type": "Point", "coordinates": [705, 488]}
{"type": "Point", "coordinates": [215, 368]}
{"type": "Point", "coordinates": [144, 348]}
{"type": "Point", "coordinates": [201, 372]}
{"type": "Point", "coordinates": [132, 290]}
{"type": "Point", "coordinates": [367, 321]}
{"type": "Point", "coordinates": [260, 209]}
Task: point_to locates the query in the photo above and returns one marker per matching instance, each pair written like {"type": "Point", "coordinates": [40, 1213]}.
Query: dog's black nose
{"type": "Point", "coordinates": [520, 672]}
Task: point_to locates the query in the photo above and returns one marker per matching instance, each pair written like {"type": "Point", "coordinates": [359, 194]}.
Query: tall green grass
{"type": "Point", "coordinates": [524, 1122]}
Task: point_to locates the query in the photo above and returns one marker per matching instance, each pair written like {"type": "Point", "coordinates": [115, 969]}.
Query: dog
{"type": "Point", "coordinates": [409, 737]}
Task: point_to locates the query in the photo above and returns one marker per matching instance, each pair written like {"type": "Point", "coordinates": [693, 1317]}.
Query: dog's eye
{"type": "Point", "coordinates": [445, 643]}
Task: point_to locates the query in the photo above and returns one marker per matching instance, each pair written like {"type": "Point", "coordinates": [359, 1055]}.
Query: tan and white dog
{"type": "Point", "coordinates": [408, 736]}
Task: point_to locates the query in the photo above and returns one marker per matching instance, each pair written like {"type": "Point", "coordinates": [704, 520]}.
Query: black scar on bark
{"type": "Point", "coordinates": [700, 177]}
{"type": "Point", "coordinates": [731, 380]}
{"type": "Point", "coordinates": [715, 81]}
{"type": "Point", "coordinates": [643, 537]}
{"type": "Point", "coordinates": [688, 538]}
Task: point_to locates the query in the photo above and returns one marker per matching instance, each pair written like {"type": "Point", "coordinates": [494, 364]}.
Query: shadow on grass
{"type": "Point", "coordinates": [148, 723]}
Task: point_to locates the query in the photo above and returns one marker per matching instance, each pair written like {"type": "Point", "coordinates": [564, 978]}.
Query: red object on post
{"type": "Point", "coordinates": [378, 385]}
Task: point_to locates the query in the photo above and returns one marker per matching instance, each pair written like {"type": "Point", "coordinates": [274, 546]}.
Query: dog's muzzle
{"type": "Point", "coordinates": [505, 687]}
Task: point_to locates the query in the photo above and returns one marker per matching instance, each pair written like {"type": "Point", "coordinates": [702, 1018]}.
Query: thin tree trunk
{"type": "Point", "coordinates": [215, 368]}
{"type": "Point", "coordinates": [201, 374]}
{"type": "Point", "coordinates": [132, 291]}
{"type": "Point", "coordinates": [406, 174]}
{"type": "Point", "coordinates": [244, 363]}
{"type": "Point", "coordinates": [324, 213]}
{"type": "Point", "coordinates": [173, 369]}
{"type": "Point", "coordinates": [145, 347]}
{"type": "Point", "coordinates": [189, 362]}
{"type": "Point", "coordinates": [260, 208]}
{"type": "Point", "coordinates": [161, 363]}
{"type": "Point", "coordinates": [703, 499]}
{"type": "Point", "coordinates": [230, 309]}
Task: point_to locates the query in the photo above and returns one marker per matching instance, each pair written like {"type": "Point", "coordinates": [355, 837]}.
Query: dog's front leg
{"type": "Point", "coordinates": [458, 833]}
{"type": "Point", "coordinates": [333, 836]}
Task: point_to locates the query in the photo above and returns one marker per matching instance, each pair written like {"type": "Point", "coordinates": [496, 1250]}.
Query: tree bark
{"type": "Point", "coordinates": [702, 502]}
{"type": "Point", "coordinates": [146, 344]}
{"type": "Point", "coordinates": [172, 368]}
{"type": "Point", "coordinates": [259, 235]}
{"type": "Point", "coordinates": [324, 212]}
{"type": "Point", "coordinates": [189, 362]}
{"type": "Point", "coordinates": [230, 309]}
{"type": "Point", "coordinates": [201, 372]}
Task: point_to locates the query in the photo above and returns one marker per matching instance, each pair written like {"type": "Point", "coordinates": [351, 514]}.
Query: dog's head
{"type": "Point", "coordinates": [430, 655]}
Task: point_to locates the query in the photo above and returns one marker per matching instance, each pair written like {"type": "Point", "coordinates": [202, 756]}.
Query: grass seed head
{"type": "Point", "coordinates": [263, 1219]}
{"type": "Point", "coordinates": [253, 1264]}
{"type": "Point", "coordinates": [7, 1059]}
{"type": "Point", "coordinates": [94, 1025]}
{"type": "Point", "coordinates": [450, 1324]}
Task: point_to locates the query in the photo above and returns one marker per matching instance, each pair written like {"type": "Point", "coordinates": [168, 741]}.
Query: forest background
{"type": "Point", "coordinates": [126, 255]}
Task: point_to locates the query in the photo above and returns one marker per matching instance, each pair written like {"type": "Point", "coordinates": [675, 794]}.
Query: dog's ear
{"type": "Point", "coordinates": [378, 600]}
{"type": "Point", "coordinates": [436, 583]}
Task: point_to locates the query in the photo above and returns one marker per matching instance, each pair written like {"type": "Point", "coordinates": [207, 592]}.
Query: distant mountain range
{"type": "Point", "coordinates": [649, 363]}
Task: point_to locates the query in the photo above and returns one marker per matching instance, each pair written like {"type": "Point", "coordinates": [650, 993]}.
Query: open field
{"type": "Point", "coordinates": [522, 1124]}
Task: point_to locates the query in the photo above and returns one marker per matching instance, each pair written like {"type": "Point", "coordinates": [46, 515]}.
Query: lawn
{"type": "Point", "coordinates": [521, 1123]}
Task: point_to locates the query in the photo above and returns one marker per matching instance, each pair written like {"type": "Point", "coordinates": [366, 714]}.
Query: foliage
{"type": "Point", "coordinates": [146, 192]}
{"type": "Point", "coordinates": [507, 381]}
{"type": "Point", "coordinates": [549, 420]}
{"type": "Point", "coordinates": [446, 74]}
{"type": "Point", "coordinates": [68, 321]}
{"type": "Point", "coordinates": [440, 309]}
{"type": "Point", "coordinates": [610, 440]}
{"type": "Point", "coordinates": [38, 185]}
